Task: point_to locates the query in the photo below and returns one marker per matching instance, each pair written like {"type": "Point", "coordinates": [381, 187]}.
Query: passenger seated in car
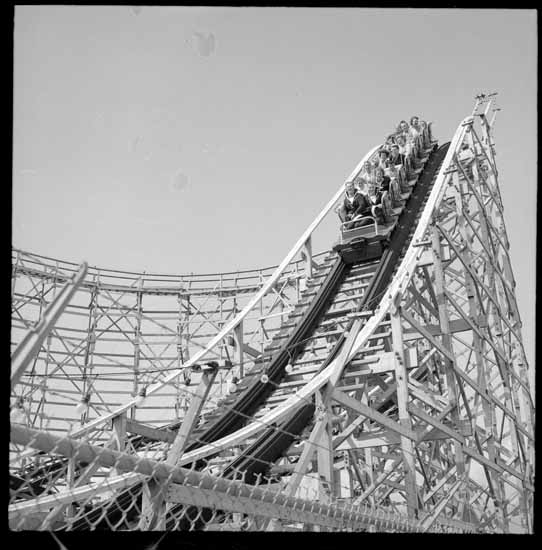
{"type": "Point", "coordinates": [414, 147]}
{"type": "Point", "coordinates": [396, 157]}
{"type": "Point", "coordinates": [383, 159]}
{"type": "Point", "coordinates": [353, 204]}
{"type": "Point", "coordinates": [390, 142]}
{"type": "Point", "coordinates": [361, 219]}
{"type": "Point", "coordinates": [426, 133]}
{"type": "Point", "coordinates": [395, 191]}
{"type": "Point", "coordinates": [367, 169]}
{"type": "Point", "coordinates": [382, 181]}
{"type": "Point", "coordinates": [374, 203]}
{"type": "Point", "coordinates": [361, 185]}
{"type": "Point", "coordinates": [403, 128]}
{"type": "Point", "coordinates": [415, 129]}
{"type": "Point", "coordinates": [392, 173]}
{"type": "Point", "coordinates": [404, 146]}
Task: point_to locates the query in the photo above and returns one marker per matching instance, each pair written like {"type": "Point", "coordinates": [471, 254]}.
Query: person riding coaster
{"type": "Point", "coordinates": [354, 203]}
{"type": "Point", "coordinates": [378, 204]}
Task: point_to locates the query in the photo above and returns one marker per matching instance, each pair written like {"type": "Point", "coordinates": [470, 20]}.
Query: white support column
{"type": "Point", "coordinates": [137, 343]}
{"type": "Point", "coordinates": [449, 364]}
{"type": "Point", "coordinates": [307, 253]}
{"type": "Point", "coordinates": [401, 376]}
{"type": "Point", "coordinates": [153, 509]}
{"type": "Point", "coordinates": [30, 344]}
{"type": "Point", "coordinates": [239, 345]}
{"type": "Point", "coordinates": [119, 434]}
{"type": "Point", "coordinates": [324, 452]}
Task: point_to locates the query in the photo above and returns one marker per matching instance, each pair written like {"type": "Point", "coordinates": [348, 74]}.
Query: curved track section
{"type": "Point", "coordinates": [391, 395]}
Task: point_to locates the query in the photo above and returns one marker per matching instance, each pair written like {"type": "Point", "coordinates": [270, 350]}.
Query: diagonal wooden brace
{"type": "Point", "coordinates": [154, 509]}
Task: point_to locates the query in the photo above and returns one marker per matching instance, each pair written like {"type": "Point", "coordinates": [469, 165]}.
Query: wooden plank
{"type": "Point", "coordinates": [439, 484]}
{"type": "Point", "coordinates": [456, 325]}
{"type": "Point", "coordinates": [421, 414]}
{"type": "Point", "coordinates": [401, 377]}
{"type": "Point", "coordinates": [154, 434]}
{"type": "Point", "coordinates": [380, 438]}
{"type": "Point", "coordinates": [373, 415]}
{"type": "Point", "coordinates": [153, 505]}
{"type": "Point", "coordinates": [321, 426]}
{"type": "Point", "coordinates": [430, 519]}
{"type": "Point", "coordinates": [427, 335]}
{"type": "Point", "coordinates": [377, 482]}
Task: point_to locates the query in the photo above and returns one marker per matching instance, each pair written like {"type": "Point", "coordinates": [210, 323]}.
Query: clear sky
{"type": "Point", "coordinates": [188, 139]}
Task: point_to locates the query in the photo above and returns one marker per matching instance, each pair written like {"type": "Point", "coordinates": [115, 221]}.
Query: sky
{"type": "Point", "coordinates": [206, 139]}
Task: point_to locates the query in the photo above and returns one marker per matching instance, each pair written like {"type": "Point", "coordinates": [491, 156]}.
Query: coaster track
{"type": "Point", "coordinates": [342, 386]}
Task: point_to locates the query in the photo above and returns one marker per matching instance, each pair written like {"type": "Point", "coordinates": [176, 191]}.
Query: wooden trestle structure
{"type": "Point", "coordinates": [383, 394]}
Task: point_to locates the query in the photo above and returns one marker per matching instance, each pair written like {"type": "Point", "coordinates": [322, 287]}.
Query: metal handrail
{"type": "Point", "coordinates": [358, 219]}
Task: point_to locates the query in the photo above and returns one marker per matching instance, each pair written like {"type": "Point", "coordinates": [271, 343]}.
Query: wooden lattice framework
{"type": "Point", "coordinates": [425, 418]}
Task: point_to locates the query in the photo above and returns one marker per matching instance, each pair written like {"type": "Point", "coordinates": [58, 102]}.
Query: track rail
{"type": "Point", "coordinates": [322, 298]}
{"type": "Point", "coordinates": [272, 444]}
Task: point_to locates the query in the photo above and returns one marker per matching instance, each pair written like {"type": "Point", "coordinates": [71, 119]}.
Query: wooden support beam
{"type": "Point", "coordinates": [119, 433]}
{"type": "Point", "coordinates": [430, 519]}
{"type": "Point", "coordinates": [380, 438]}
{"type": "Point", "coordinates": [417, 296]}
{"type": "Point", "coordinates": [456, 325]}
{"type": "Point", "coordinates": [322, 422]}
{"type": "Point", "coordinates": [422, 415]}
{"type": "Point", "coordinates": [427, 335]}
{"type": "Point", "coordinates": [307, 254]}
{"type": "Point", "coordinates": [377, 482]}
{"type": "Point", "coordinates": [251, 351]}
{"type": "Point", "coordinates": [401, 379]}
{"type": "Point", "coordinates": [153, 507]}
{"type": "Point", "coordinates": [324, 452]}
{"type": "Point", "coordinates": [30, 344]}
{"type": "Point", "coordinates": [429, 495]}
{"type": "Point", "coordinates": [239, 348]}
{"type": "Point", "coordinates": [373, 415]}
{"type": "Point", "coordinates": [306, 457]}
{"type": "Point", "coordinates": [149, 432]}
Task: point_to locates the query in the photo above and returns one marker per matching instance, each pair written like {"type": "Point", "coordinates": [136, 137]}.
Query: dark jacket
{"type": "Point", "coordinates": [400, 159]}
{"type": "Point", "coordinates": [385, 184]}
{"type": "Point", "coordinates": [356, 206]}
{"type": "Point", "coordinates": [378, 201]}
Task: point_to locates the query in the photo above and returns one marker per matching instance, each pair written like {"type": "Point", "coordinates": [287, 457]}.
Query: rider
{"type": "Point", "coordinates": [374, 203]}
{"type": "Point", "coordinates": [382, 181]}
{"type": "Point", "coordinates": [353, 204]}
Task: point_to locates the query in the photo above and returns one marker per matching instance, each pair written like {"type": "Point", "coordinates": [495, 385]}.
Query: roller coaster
{"type": "Point", "coordinates": [378, 386]}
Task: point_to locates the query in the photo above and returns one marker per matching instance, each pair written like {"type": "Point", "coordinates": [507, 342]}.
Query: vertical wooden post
{"type": "Point", "coordinates": [153, 509]}
{"type": "Point", "coordinates": [401, 378]}
{"type": "Point", "coordinates": [180, 360]}
{"type": "Point", "coordinates": [307, 253]}
{"type": "Point", "coordinates": [70, 479]}
{"type": "Point", "coordinates": [239, 355]}
{"type": "Point", "coordinates": [448, 363]}
{"type": "Point", "coordinates": [189, 421]}
{"type": "Point", "coordinates": [324, 452]}
{"type": "Point", "coordinates": [119, 434]}
{"type": "Point", "coordinates": [137, 342]}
